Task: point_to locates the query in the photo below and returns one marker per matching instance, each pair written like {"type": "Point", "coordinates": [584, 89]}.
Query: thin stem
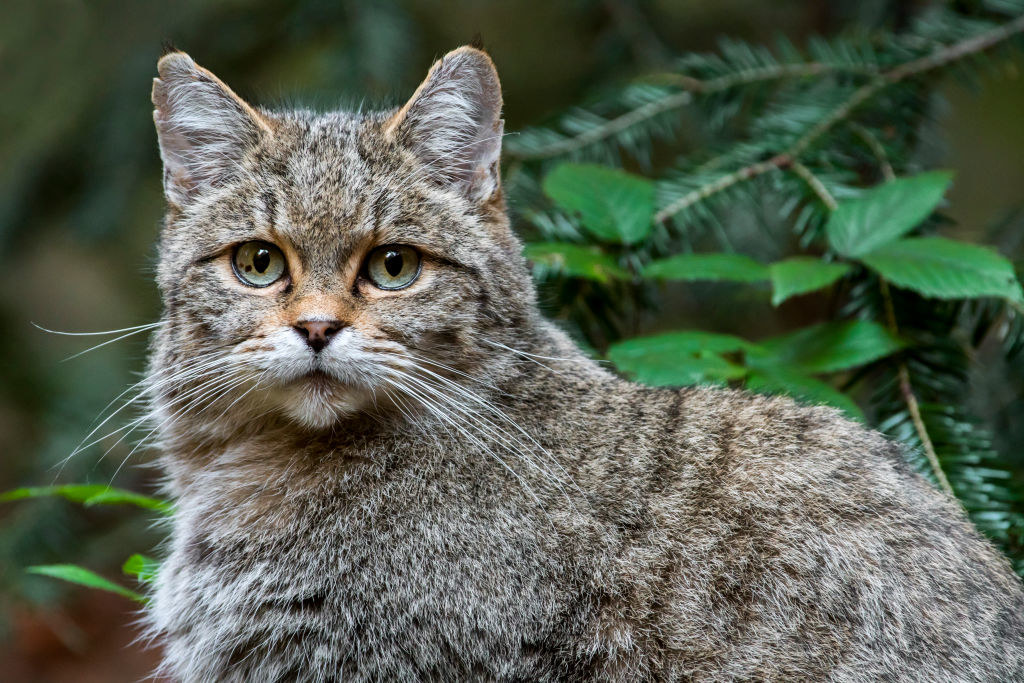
{"type": "Point", "coordinates": [876, 148]}
{"type": "Point", "coordinates": [605, 130]}
{"type": "Point", "coordinates": [916, 67]}
{"type": "Point", "coordinates": [690, 87]}
{"type": "Point", "coordinates": [748, 76]}
{"type": "Point", "coordinates": [723, 183]}
{"type": "Point", "coordinates": [965, 48]}
{"type": "Point", "coordinates": [815, 184]}
{"type": "Point", "coordinates": [907, 392]}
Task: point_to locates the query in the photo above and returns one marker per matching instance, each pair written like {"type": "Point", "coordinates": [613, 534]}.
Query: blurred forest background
{"type": "Point", "coordinates": [81, 204]}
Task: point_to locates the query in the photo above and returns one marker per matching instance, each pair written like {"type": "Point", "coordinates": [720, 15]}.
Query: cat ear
{"type": "Point", "coordinates": [453, 123]}
{"type": "Point", "coordinates": [203, 127]}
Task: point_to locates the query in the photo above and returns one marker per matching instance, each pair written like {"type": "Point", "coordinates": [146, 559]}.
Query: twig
{"type": "Point", "coordinates": [907, 392]}
{"type": "Point", "coordinates": [726, 181]}
{"type": "Point", "coordinates": [748, 76]}
{"type": "Point", "coordinates": [965, 48]}
{"type": "Point", "coordinates": [690, 86]}
{"type": "Point", "coordinates": [647, 111]}
{"type": "Point", "coordinates": [876, 148]}
{"type": "Point", "coordinates": [815, 184]}
{"type": "Point", "coordinates": [693, 85]}
{"type": "Point", "coordinates": [859, 96]}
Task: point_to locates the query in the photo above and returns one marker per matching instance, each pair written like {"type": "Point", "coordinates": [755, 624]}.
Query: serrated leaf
{"type": "Point", "coordinates": [829, 347]}
{"type": "Point", "coordinates": [679, 358]}
{"type": "Point", "coordinates": [781, 380]}
{"type": "Point", "coordinates": [89, 494]}
{"type": "Point", "coordinates": [885, 213]}
{"type": "Point", "coordinates": [141, 567]}
{"type": "Point", "coordinates": [945, 269]}
{"type": "Point", "coordinates": [575, 260]}
{"type": "Point", "coordinates": [801, 275]}
{"type": "Point", "coordinates": [729, 267]}
{"type": "Point", "coordinates": [84, 577]}
{"type": "Point", "coordinates": [613, 205]}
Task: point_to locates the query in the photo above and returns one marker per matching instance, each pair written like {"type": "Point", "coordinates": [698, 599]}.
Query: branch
{"type": "Point", "coordinates": [965, 48]}
{"type": "Point", "coordinates": [723, 183]}
{"type": "Point", "coordinates": [753, 75]}
{"type": "Point", "coordinates": [690, 87]}
{"type": "Point", "coordinates": [899, 73]}
{"type": "Point", "coordinates": [815, 184]}
{"type": "Point", "coordinates": [605, 130]}
{"type": "Point", "coordinates": [876, 148]}
{"type": "Point", "coordinates": [907, 392]}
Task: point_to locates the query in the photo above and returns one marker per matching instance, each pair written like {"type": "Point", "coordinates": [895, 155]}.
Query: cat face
{"type": "Point", "coordinates": [319, 266]}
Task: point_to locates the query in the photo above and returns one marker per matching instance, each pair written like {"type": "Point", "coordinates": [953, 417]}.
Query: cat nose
{"type": "Point", "coordinates": [318, 333]}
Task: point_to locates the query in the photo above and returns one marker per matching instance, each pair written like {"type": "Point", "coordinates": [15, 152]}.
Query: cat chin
{"type": "Point", "coordinates": [316, 408]}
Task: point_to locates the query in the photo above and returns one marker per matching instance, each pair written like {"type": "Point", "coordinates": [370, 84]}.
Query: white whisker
{"type": "Point", "coordinates": [109, 341]}
{"type": "Point", "coordinates": [439, 412]}
{"type": "Point", "coordinates": [147, 326]}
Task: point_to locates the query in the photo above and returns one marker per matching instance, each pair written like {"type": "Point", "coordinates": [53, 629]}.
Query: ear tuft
{"type": "Point", "coordinates": [204, 128]}
{"type": "Point", "coordinates": [453, 123]}
{"type": "Point", "coordinates": [167, 47]}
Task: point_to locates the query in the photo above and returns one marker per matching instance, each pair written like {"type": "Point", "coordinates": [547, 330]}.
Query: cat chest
{"type": "Point", "coordinates": [412, 587]}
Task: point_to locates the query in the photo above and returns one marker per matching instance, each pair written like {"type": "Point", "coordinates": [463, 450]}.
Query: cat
{"type": "Point", "coordinates": [387, 465]}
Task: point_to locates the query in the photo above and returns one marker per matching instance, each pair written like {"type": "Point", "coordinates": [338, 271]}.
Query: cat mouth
{"type": "Point", "coordinates": [319, 379]}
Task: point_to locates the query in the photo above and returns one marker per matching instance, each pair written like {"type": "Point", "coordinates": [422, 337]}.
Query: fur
{"type": "Point", "coordinates": [451, 490]}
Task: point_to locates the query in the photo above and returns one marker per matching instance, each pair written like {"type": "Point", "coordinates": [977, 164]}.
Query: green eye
{"type": "Point", "coordinates": [393, 266]}
{"type": "Point", "coordinates": [258, 264]}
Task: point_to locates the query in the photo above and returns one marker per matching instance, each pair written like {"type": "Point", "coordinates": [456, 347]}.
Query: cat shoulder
{"type": "Point", "coordinates": [760, 439]}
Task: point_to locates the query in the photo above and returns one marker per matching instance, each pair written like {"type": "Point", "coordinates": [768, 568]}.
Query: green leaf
{"type": "Point", "coordinates": [802, 274]}
{"type": "Point", "coordinates": [575, 260]}
{"type": "Point", "coordinates": [680, 371]}
{"type": "Point", "coordinates": [885, 212]}
{"type": "Point", "coordinates": [613, 205]}
{"type": "Point", "coordinates": [141, 567]}
{"type": "Point", "coordinates": [679, 358]}
{"type": "Point", "coordinates": [828, 347]}
{"type": "Point", "coordinates": [84, 577]}
{"type": "Point", "coordinates": [686, 342]}
{"type": "Point", "coordinates": [730, 267]}
{"type": "Point", "coordinates": [945, 269]}
{"type": "Point", "coordinates": [782, 380]}
{"type": "Point", "coordinates": [89, 494]}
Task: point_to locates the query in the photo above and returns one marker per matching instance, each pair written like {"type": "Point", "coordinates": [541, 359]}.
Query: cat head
{"type": "Point", "coordinates": [316, 266]}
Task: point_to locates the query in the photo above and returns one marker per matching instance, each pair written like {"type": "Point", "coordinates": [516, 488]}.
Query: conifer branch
{"type": "Point", "coordinates": [979, 43]}
{"type": "Point", "coordinates": [750, 76]}
{"type": "Point", "coordinates": [722, 183]}
{"type": "Point", "coordinates": [606, 130]}
{"type": "Point", "coordinates": [690, 87]}
{"type": "Point", "coordinates": [815, 184]}
{"type": "Point", "coordinates": [899, 73]}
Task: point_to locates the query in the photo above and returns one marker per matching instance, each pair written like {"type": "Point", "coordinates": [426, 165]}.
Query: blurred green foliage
{"type": "Point", "coordinates": [752, 283]}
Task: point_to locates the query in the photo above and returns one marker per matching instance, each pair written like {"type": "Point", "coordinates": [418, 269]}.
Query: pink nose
{"type": "Point", "coordinates": [318, 333]}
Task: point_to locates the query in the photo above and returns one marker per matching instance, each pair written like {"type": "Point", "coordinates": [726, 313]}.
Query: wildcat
{"type": "Point", "coordinates": [387, 465]}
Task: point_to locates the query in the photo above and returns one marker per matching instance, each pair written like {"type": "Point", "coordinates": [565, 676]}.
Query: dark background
{"type": "Point", "coordinates": [80, 207]}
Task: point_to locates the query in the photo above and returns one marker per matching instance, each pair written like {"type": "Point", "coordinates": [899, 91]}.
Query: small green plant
{"type": "Point", "coordinates": [143, 569]}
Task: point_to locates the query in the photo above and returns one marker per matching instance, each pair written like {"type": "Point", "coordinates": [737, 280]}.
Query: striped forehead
{"type": "Point", "coordinates": [328, 191]}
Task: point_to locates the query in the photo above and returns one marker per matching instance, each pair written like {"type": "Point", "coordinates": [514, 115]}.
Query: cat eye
{"type": "Point", "coordinates": [393, 266]}
{"type": "Point", "coordinates": [258, 264]}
